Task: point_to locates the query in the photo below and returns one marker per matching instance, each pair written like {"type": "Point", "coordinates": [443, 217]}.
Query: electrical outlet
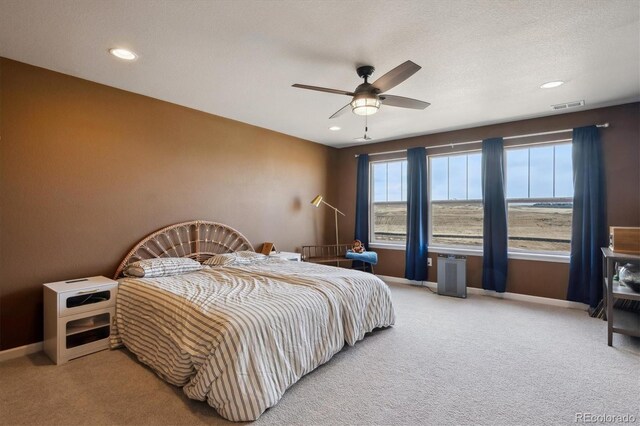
{"type": "Point", "coordinates": [429, 261]}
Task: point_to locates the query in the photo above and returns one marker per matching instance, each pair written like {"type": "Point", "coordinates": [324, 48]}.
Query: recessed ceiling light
{"type": "Point", "coordinates": [123, 54]}
{"type": "Point", "coordinates": [552, 84]}
{"type": "Point", "coordinates": [334, 128]}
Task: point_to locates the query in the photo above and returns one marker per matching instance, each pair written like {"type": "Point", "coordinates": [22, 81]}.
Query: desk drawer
{"type": "Point", "coordinates": [75, 302]}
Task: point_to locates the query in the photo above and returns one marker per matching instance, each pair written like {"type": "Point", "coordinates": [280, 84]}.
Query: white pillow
{"type": "Point", "coordinates": [235, 258]}
{"type": "Point", "coordinates": [161, 267]}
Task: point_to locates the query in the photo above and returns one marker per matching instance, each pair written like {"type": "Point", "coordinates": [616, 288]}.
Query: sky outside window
{"type": "Point", "coordinates": [379, 182]}
{"type": "Point", "coordinates": [475, 177]}
{"type": "Point", "coordinates": [532, 172]}
{"type": "Point", "coordinates": [539, 172]}
{"type": "Point", "coordinates": [394, 181]}
{"type": "Point", "coordinates": [439, 178]}
{"type": "Point", "coordinates": [456, 177]}
{"type": "Point", "coordinates": [517, 173]}
{"type": "Point", "coordinates": [564, 171]}
{"type": "Point", "coordinates": [390, 181]}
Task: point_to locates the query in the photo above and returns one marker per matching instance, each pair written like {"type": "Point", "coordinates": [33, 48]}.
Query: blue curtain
{"type": "Point", "coordinates": [588, 230]}
{"type": "Point", "coordinates": [362, 206]}
{"type": "Point", "coordinates": [417, 232]}
{"type": "Point", "coordinates": [362, 200]}
{"type": "Point", "coordinates": [494, 240]}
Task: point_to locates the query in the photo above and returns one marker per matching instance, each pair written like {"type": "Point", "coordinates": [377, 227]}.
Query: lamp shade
{"type": "Point", "coordinates": [316, 201]}
{"type": "Point", "coordinates": [365, 105]}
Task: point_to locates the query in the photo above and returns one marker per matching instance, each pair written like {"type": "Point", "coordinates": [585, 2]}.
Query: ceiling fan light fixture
{"type": "Point", "coordinates": [365, 105]}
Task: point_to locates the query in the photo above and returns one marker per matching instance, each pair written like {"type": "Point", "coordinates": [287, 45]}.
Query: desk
{"type": "Point", "coordinates": [618, 320]}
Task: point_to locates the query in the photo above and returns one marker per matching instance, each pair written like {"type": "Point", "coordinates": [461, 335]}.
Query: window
{"type": "Point", "coordinates": [539, 193]}
{"type": "Point", "coordinates": [455, 194]}
{"type": "Point", "coordinates": [539, 197]}
{"type": "Point", "coordinates": [388, 202]}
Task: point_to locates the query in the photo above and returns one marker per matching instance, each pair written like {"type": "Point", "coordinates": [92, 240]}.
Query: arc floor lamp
{"type": "Point", "coordinates": [316, 202]}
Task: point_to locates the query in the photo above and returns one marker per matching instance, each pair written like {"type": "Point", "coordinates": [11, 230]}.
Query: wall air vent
{"type": "Point", "coordinates": [568, 105]}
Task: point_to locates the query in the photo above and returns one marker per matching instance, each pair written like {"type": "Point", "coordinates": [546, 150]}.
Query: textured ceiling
{"type": "Point", "coordinates": [483, 61]}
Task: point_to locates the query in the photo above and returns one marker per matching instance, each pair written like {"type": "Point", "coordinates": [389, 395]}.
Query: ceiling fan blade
{"type": "Point", "coordinates": [402, 102]}
{"type": "Point", "coordinates": [323, 89]}
{"type": "Point", "coordinates": [341, 111]}
{"type": "Point", "coordinates": [396, 76]}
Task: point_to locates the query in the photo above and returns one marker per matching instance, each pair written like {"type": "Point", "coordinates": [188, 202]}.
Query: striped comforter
{"type": "Point", "coordinates": [364, 300]}
{"type": "Point", "coordinates": [238, 337]}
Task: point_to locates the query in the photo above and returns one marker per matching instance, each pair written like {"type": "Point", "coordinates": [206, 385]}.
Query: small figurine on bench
{"type": "Point", "coordinates": [359, 253]}
{"type": "Point", "coordinates": [358, 247]}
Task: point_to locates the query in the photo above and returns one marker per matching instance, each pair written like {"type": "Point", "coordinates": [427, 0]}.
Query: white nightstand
{"type": "Point", "coordinates": [287, 255]}
{"type": "Point", "coordinates": [77, 317]}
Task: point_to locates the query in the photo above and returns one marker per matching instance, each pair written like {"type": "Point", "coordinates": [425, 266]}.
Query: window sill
{"type": "Point", "coordinates": [539, 257]}
{"type": "Point", "coordinates": [387, 246]}
{"type": "Point", "coordinates": [518, 255]}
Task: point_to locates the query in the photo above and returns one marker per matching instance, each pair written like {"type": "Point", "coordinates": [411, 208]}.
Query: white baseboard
{"type": "Point", "coordinates": [509, 296]}
{"type": "Point", "coordinates": [20, 351]}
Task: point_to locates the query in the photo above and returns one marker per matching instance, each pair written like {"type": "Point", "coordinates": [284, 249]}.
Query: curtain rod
{"type": "Point", "coordinates": [530, 135]}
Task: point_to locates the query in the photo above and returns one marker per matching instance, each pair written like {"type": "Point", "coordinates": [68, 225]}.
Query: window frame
{"type": "Point", "coordinates": [442, 248]}
{"type": "Point", "coordinates": [373, 243]}
{"type": "Point", "coordinates": [513, 253]}
{"type": "Point", "coordinates": [530, 200]}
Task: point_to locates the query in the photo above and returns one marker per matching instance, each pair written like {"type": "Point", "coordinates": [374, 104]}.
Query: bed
{"type": "Point", "coordinates": [238, 335]}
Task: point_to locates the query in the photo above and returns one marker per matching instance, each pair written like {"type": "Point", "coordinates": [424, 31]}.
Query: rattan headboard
{"type": "Point", "coordinates": [198, 239]}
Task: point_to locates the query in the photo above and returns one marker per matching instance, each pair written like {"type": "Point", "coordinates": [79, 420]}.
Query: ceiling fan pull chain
{"type": "Point", "coordinates": [366, 125]}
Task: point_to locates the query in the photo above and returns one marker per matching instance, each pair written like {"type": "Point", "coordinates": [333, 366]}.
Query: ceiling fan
{"type": "Point", "coordinates": [368, 97]}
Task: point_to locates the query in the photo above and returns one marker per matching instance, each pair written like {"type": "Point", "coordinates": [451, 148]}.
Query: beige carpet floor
{"type": "Point", "coordinates": [446, 361]}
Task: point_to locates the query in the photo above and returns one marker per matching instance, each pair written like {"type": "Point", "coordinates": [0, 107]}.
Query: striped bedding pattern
{"type": "Point", "coordinates": [238, 338]}
{"type": "Point", "coordinates": [161, 267]}
{"type": "Point", "coordinates": [364, 299]}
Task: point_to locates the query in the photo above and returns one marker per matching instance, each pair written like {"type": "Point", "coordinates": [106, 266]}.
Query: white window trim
{"type": "Point", "coordinates": [521, 254]}
{"type": "Point", "coordinates": [465, 251]}
{"type": "Point", "coordinates": [389, 246]}
{"type": "Point", "coordinates": [372, 242]}
{"type": "Point", "coordinates": [514, 253]}
{"type": "Point", "coordinates": [462, 250]}
{"type": "Point", "coordinates": [511, 254]}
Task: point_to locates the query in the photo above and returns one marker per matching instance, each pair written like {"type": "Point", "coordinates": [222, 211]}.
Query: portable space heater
{"type": "Point", "coordinates": [452, 275]}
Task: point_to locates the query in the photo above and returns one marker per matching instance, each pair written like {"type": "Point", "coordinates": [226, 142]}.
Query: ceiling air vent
{"type": "Point", "coordinates": [568, 105]}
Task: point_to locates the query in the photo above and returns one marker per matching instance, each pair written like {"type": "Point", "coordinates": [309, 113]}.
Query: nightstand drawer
{"type": "Point", "coordinates": [75, 302]}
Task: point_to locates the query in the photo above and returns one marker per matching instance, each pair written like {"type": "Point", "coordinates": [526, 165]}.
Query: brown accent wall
{"type": "Point", "coordinates": [86, 171]}
{"type": "Point", "coordinates": [621, 143]}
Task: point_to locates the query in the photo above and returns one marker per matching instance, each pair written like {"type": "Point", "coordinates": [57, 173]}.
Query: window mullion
{"type": "Point", "coordinates": [528, 173]}
{"type": "Point", "coordinates": [466, 193]}
{"type": "Point", "coordinates": [553, 192]}
{"type": "Point", "coordinates": [448, 178]}
{"type": "Point", "coordinates": [386, 183]}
